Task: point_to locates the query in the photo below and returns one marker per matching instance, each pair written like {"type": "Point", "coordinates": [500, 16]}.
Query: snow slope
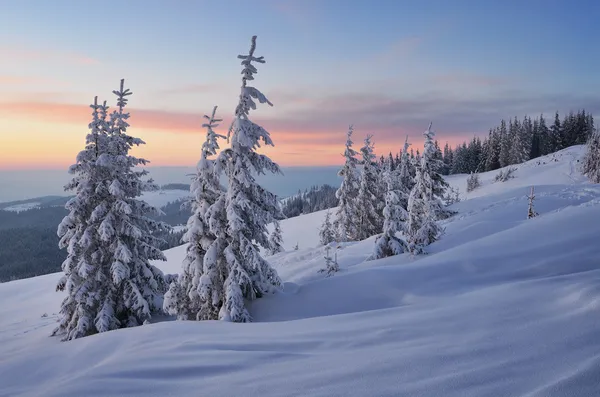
{"type": "Point", "coordinates": [502, 306]}
{"type": "Point", "coordinates": [22, 207]}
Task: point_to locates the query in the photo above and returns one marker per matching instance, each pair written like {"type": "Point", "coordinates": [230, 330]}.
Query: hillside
{"type": "Point", "coordinates": [501, 306]}
{"type": "Point", "coordinates": [28, 240]}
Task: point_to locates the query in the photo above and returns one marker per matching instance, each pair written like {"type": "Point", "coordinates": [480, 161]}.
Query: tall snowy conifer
{"type": "Point", "coordinates": [369, 220]}
{"type": "Point", "coordinates": [406, 175]}
{"type": "Point", "coordinates": [77, 235]}
{"type": "Point", "coordinates": [505, 145]}
{"type": "Point", "coordinates": [346, 215]}
{"type": "Point", "coordinates": [248, 206]}
{"type": "Point", "coordinates": [432, 168]}
{"type": "Point", "coordinates": [395, 216]}
{"type": "Point", "coordinates": [185, 298]}
{"type": "Point", "coordinates": [423, 205]}
{"type": "Point", "coordinates": [115, 286]}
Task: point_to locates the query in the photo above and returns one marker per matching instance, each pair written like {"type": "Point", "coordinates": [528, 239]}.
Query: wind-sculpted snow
{"type": "Point", "coordinates": [501, 306]}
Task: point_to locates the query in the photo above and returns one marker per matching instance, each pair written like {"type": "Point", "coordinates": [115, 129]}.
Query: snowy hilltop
{"type": "Point", "coordinates": [501, 305]}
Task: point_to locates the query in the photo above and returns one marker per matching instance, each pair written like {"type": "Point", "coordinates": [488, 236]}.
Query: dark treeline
{"type": "Point", "coordinates": [176, 186]}
{"type": "Point", "coordinates": [29, 252]}
{"type": "Point", "coordinates": [29, 243]}
{"type": "Point", "coordinates": [513, 142]}
{"type": "Point", "coordinates": [316, 198]}
{"type": "Point", "coordinates": [516, 141]}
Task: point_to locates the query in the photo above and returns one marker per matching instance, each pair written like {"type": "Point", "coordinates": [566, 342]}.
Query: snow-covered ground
{"type": "Point", "coordinates": [22, 207]}
{"type": "Point", "coordinates": [163, 197]}
{"type": "Point", "coordinates": [501, 306]}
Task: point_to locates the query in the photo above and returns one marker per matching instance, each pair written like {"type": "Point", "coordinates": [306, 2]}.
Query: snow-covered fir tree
{"type": "Point", "coordinates": [331, 264]}
{"type": "Point", "coordinates": [473, 182]}
{"type": "Point", "coordinates": [185, 298]}
{"type": "Point", "coordinates": [109, 280]}
{"type": "Point", "coordinates": [77, 318]}
{"type": "Point", "coordinates": [505, 145]}
{"type": "Point", "coordinates": [406, 172]}
{"type": "Point", "coordinates": [432, 168]}
{"type": "Point", "coordinates": [327, 233]}
{"type": "Point", "coordinates": [530, 210]}
{"type": "Point", "coordinates": [276, 239]}
{"type": "Point", "coordinates": [395, 216]}
{"type": "Point", "coordinates": [248, 206]}
{"type": "Point", "coordinates": [369, 221]}
{"type": "Point", "coordinates": [591, 160]}
{"type": "Point", "coordinates": [345, 222]}
{"type": "Point", "coordinates": [423, 205]}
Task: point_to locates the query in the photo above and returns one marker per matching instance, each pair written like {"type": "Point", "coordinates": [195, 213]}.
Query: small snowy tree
{"type": "Point", "coordinates": [296, 247]}
{"type": "Point", "coordinates": [115, 286]}
{"type": "Point", "coordinates": [473, 182]}
{"type": "Point", "coordinates": [248, 206]}
{"type": "Point", "coordinates": [276, 240]}
{"type": "Point", "coordinates": [452, 196]}
{"type": "Point", "coordinates": [185, 298]}
{"type": "Point", "coordinates": [345, 222]}
{"type": "Point", "coordinates": [591, 160]}
{"type": "Point", "coordinates": [423, 205]}
{"type": "Point", "coordinates": [326, 233]}
{"type": "Point", "coordinates": [331, 264]}
{"type": "Point", "coordinates": [531, 211]}
{"type": "Point", "coordinates": [395, 216]}
{"type": "Point", "coordinates": [369, 221]}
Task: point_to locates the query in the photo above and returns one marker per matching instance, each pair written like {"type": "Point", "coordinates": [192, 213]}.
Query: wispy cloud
{"type": "Point", "coordinates": [399, 49]}
{"type": "Point", "coordinates": [201, 88]}
{"type": "Point", "coordinates": [36, 55]}
{"type": "Point", "coordinates": [472, 80]}
{"type": "Point", "coordinates": [319, 127]}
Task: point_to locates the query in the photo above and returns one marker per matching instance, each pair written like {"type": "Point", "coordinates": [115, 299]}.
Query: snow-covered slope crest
{"type": "Point", "coordinates": [501, 306]}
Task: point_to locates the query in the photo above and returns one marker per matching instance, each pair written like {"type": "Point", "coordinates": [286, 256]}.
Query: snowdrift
{"type": "Point", "coordinates": [501, 306]}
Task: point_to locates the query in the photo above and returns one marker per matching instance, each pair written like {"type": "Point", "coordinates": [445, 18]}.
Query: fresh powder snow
{"type": "Point", "coordinates": [501, 305]}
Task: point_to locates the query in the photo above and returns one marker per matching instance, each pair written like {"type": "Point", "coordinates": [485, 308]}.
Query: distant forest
{"type": "Point", "coordinates": [511, 142]}
{"type": "Point", "coordinates": [316, 198]}
{"type": "Point", "coordinates": [29, 243]}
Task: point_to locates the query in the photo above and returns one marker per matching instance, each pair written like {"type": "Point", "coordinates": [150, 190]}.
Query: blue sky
{"type": "Point", "coordinates": [388, 67]}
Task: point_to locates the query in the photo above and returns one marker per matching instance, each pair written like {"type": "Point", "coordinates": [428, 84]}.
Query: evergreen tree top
{"type": "Point", "coordinates": [248, 93]}
{"type": "Point", "coordinates": [210, 146]}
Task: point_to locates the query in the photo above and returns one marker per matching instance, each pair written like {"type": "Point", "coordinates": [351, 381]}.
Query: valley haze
{"type": "Point", "coordinates": [25, 184]}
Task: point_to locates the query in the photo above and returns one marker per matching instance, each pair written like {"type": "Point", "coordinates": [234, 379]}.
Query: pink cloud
{"type": "Point", "coordinates": [30, 55]}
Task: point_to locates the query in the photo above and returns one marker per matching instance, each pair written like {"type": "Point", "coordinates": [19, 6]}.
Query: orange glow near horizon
{"type": "Point", "coordinates": [44, 135]}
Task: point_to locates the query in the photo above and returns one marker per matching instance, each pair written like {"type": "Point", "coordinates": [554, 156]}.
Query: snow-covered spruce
{"type": "Point", "coordinates": [187, 298]}
{"type": "Point", "coordinates": [78, 236]}
{"type": "Point", "coordinates": [369, 220]}
{"type": "Point", "coordinates": [327, 233]}
{"type": "Point", "coordinates": [345, 222]}
{"type": "Point", "coordinates": [591, 161]}
{"type": "Point", "coordinates": [276, 239]}
{"type": "Point", "coordinates": [531, 210]}
{"type": "Point", "coordinates": [406, 170]}
{"type": "Point", "coordinates": [395, 216]}
{"type": "Point", "coordinates": [432, 168]}
{"type": "Point", "coordinates": [248, 206]}
{"type": "Point", "coordinates": [331, 264]}
{"type": "Point", "coordinates": [473, 182]}
{"type": "Point", "coordinates": [423, 205]}
{"type": "Point", "coordinates": [109, 280]}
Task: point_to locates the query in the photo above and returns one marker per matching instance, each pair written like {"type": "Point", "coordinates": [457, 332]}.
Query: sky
{"type": "Point", "coordinates": [387, 67]}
